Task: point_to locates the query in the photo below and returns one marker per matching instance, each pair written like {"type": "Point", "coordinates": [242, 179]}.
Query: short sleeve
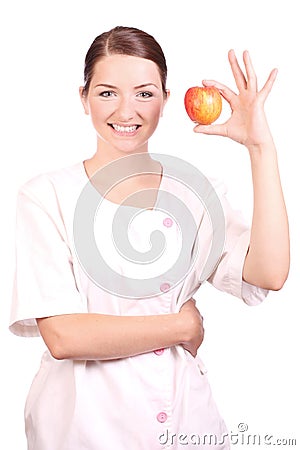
{"type": "Point", "coordinates": [227, 276]}
{"type": "Point", "coordinates": [44, 283]}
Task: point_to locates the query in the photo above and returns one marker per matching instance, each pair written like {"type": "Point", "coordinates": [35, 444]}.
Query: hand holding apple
{"type": "Point", "coordinates": [203, 104]}
{"type": "Point", "coordinates": [247, 123]}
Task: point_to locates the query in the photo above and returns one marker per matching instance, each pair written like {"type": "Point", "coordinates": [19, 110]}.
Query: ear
{"type": "Point", "coordinates": [83, 99]}
{"type": "Point", "coordinates": [166, 98]}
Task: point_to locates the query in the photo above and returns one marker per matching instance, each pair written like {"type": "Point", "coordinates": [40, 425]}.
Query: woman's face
{"type": "Point", "coordinates": [125, 101]}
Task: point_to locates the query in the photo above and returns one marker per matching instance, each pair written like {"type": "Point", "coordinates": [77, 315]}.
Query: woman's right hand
{"type": "Point", "coordinates": [192, 322]}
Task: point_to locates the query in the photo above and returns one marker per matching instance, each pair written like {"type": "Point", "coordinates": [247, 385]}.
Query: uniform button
{"type": "Point", "coordinates": [159, 351]}
{"type": "Point", "coordinates": [168, 222]}
{"type": "Point", "coordinates": [162, 417]}
{"type": "Point", "coordinates": [164, 287]}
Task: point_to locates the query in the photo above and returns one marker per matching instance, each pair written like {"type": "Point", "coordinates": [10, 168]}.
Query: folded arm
{"type": "Point", "coordinates": [102, 337]}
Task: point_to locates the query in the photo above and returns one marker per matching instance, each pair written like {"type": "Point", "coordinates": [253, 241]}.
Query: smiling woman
{"type": "Point", "coordinates": [111, 250]}
{"type": "Point", "coordinates": [125, 68]}
{"type": "Point", "coordinates": [125, 99]}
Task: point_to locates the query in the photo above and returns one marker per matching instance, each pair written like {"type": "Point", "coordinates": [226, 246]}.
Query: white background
{"type": "Point", "coordinates": [252, 354]}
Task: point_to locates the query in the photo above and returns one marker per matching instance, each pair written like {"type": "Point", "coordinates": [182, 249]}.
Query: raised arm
{"type": "Point", "coordinates": [267, 261]}
{"type": "Point", "coordinates": [103, 337]}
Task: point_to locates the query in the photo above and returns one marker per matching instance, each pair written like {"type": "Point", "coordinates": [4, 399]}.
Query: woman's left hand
{"type": "Point", "coordinates": [247, 123]}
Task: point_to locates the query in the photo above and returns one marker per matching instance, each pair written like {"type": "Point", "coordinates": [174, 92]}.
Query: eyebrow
{"type": "Point", "coordinates": [145, 85]}
{"type": "Point", "coordinates": [140, 86]}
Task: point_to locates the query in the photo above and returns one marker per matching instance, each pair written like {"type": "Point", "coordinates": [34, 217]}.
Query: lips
{"type": "Point", "coordinates": [128, 129]}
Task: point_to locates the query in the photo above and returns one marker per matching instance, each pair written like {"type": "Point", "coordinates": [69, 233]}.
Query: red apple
{"type": "Point", "coordinates": [203, 104]}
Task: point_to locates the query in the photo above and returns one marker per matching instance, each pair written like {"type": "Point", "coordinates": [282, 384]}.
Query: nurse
{"type": "Point", "coordinates": [121, 369]}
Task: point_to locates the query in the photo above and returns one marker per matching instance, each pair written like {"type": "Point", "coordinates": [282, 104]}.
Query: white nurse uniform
{"type": "Point", "coordinates": [153, 401]}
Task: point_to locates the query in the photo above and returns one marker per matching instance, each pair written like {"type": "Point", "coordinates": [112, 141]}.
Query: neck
{"type": "Point", "coordinates": [139, 161]}
{"type": "Point", "coordinates": [120, 175]}
{"type": "Point", "coordinates": [107, 153]}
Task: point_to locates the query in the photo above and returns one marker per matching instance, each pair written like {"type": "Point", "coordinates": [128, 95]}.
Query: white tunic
{"type": "Point", "coordinates": [153, 401]}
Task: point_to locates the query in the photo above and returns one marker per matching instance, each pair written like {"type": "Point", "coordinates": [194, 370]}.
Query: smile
{"type": "Point", "coordinates": [124, 129]}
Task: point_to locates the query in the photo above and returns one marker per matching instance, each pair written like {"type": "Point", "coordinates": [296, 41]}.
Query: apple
{"type": "Point", "coordinates": [203, 104]}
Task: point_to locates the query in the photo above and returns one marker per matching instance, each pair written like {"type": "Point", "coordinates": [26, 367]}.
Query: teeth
{"type": "Point", "coordinates": [124, 129]}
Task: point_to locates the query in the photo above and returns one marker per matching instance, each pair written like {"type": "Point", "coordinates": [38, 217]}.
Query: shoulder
{"type": "Point", "coordinates": [54, 193]}
{"type": "Point", "coordinates": [55, 183]}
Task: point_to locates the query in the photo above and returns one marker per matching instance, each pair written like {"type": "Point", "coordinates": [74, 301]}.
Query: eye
{"type": "Point", "coordinates": [145, 94]}
{"type": "Point", "coordinates": [106, 94]}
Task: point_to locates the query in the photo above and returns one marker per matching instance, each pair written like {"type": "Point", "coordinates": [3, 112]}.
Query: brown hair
{"type": "Point", "coordinates": [124, 41]}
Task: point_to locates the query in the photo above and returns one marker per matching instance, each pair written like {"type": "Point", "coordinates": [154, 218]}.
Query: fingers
{"type": "Point", "coordinates": [248, 82]}
{"type": "Point", "coordinates": [251, 76]}
{"type": "Point", "coordinates": [227, 93]}
{"type": "Point", "coordinates": [268, 84]}
{"type": "Point", "coordinates": [244, 83]}
{"type": "Point", "coordinates": [237, 72]}
{"type": "Point", "coordinates": [224, 90]}
{"type": "Point", "coordinates": [193, 300]}
{"type": "Point", "coordinates": [217, 130]}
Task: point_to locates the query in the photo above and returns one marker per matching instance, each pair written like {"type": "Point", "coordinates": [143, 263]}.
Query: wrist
{"type": "Point", "coordinates": [264, 153]}
{"type": "Point", "coordinates": [180, 332]}
{"type": "Point", "coordinates": [185, 325]}
{"type": "Point", "coordinates": [267, 145]}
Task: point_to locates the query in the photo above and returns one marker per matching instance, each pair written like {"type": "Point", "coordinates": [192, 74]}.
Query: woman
{"type": "Point", "coordinates": [121, 370]}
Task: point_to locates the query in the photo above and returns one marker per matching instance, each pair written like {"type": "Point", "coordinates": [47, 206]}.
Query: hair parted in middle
{"type": "Point", "coordinates": [124, 41]}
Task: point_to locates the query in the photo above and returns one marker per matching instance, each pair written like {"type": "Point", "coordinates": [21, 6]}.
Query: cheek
{"type": "Point", "coordinates": [155, 111]}
{"type": "Point", "coordinates": [101, 110]}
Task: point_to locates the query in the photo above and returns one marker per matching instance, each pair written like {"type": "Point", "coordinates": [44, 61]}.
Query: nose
{"type": "Point", "coordinates": [125, 109]}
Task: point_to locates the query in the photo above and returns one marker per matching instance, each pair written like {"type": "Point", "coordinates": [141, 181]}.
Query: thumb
{"type": "Point", "coordinates": [219, 129]}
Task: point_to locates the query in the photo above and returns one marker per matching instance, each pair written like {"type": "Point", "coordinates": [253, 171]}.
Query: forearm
{"type": "Point", "coordinates": [102, 337]}
{"type": "Point", "coordinates": [267, 262]}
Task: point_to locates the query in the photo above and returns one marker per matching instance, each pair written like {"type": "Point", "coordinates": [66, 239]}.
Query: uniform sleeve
{"type": "Point", "coordinates": [227, 276]}
{"type": "Point", "coordinates": [44, 283]}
